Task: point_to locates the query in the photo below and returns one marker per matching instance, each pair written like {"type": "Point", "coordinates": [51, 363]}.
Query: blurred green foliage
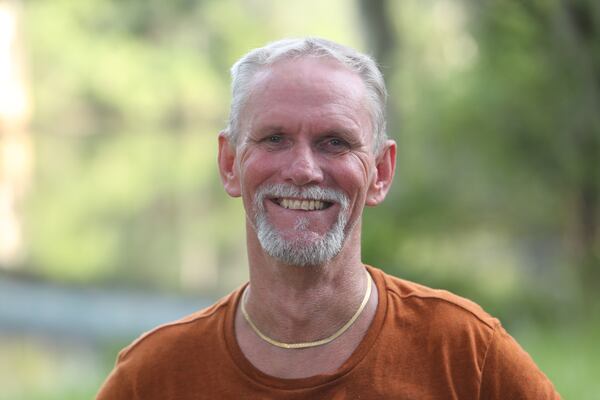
{"type": "Point", "coordinates": [498, 189]}
{"type": "Point", "coordinates": [129, 97]}
{"type": "Point", "coordinates": [493, 104]}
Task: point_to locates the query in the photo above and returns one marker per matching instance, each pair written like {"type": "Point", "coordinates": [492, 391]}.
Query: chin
{"type": "Point", "coordinates": [309, 249]}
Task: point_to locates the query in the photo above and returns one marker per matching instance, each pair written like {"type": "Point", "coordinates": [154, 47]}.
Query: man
{"type": "Point", "coordinates": [306, 150]}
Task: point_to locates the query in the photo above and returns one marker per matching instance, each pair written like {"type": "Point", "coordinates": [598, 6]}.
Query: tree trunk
{"type": "Point", "coordinates": [379, 30]}
{"type": "Point", "coordinates": [583, 32]}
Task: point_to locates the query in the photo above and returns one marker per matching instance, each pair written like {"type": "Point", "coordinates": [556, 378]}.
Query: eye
{"type": "Point", "coordinates": [335, 145]}
{"type": "Point", "coordinates": [274, 139]}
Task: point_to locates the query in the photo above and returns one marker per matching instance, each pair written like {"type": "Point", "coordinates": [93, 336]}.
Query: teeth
{"type": "Point", "coordinates": [307, 205]}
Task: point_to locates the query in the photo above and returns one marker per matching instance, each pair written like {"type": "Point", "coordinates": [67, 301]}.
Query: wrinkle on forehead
{"type": "Point", "coordinates": [339, 120]}
{"type": "Point", "coordinates": [306, 80]}
{"type": "Point", "coordinates": [293, 74]}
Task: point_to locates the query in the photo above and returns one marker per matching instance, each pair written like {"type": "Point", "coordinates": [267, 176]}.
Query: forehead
{"type": "Point", "coordinates": [307, 86]}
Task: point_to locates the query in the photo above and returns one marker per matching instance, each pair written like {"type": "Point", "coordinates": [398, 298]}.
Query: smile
{"type": "Point", "coordinates": [302, 204]}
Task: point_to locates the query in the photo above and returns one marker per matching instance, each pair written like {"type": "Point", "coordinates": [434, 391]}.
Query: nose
{"type": "Point", "coordinates": [303, 168]}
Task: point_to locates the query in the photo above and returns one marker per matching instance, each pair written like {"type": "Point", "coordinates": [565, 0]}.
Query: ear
{"type": "Point", "coordinates": [385, 166]}
{"type": "Point", "coordinates": [227, 170]}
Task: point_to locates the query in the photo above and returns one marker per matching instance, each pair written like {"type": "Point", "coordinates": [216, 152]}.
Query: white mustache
{"type": "Point", "coordinates": [310, 192]}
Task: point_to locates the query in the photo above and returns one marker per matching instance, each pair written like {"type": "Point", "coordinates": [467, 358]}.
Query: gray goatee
{"type": "Point", "coordinates": [298, 252]}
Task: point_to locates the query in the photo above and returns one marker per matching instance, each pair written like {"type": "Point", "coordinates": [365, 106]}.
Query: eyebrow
{"type": "Point", "coordinates": [346, 133]}
{"type": "Point", "coordinates": [271, 128]}
{"type": "Point", "coordinates": [334, 131]}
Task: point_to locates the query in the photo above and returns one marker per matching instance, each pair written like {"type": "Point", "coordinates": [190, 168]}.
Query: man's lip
{"type": "Point", "coordinates": [301, 204]}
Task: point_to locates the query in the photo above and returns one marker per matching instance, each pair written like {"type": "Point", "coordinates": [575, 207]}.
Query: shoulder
{"type": "Point", "coordinates": [435, 315]}
{"type": "Point", "coordinates": [435, 302]}
{"type": "Point", "coordinates": [172, 352]}
{"type": "Point", "coordinates": [443, 322]}
{"type": "Point", "coordinates": [180, 334]}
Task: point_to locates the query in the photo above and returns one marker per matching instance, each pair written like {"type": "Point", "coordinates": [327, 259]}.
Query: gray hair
{"type": "Point", "coordinates": [246, 67]}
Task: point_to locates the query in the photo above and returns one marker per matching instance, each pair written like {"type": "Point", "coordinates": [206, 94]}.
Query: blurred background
{"type": "Point", "coordinates": [113, 219]}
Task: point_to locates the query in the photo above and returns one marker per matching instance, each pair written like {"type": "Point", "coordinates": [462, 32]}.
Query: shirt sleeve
{"type": "Point", "coordinates": [510, 373]}
{"type": "Point", "coordinates": [117, 386]}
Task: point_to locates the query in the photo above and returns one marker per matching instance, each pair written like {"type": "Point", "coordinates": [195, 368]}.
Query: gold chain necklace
{"type": "Point", "coordinates": [316, 343]}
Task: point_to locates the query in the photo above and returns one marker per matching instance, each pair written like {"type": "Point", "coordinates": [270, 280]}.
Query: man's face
{"type": "Point", "coordinates": [304, 164]}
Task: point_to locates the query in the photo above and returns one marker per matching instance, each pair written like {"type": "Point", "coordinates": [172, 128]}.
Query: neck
{"type": "Point", "coordinates": [299, 304]}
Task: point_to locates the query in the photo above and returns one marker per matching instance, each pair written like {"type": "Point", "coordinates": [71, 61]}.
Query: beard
{"type": "Point", "coordinates": [302, 250]}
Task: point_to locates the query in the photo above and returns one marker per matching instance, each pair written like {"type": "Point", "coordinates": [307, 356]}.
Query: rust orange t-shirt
{"type": "Point", "coordinates": [422, 344]}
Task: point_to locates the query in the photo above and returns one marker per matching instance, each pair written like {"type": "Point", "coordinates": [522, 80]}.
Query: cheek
{"type": "Point", "coordinates": [358, 173]}
{"type": "Point", "coordinates": [254, 170]}
{"type": "Point", "coordinates": [352, 180]}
